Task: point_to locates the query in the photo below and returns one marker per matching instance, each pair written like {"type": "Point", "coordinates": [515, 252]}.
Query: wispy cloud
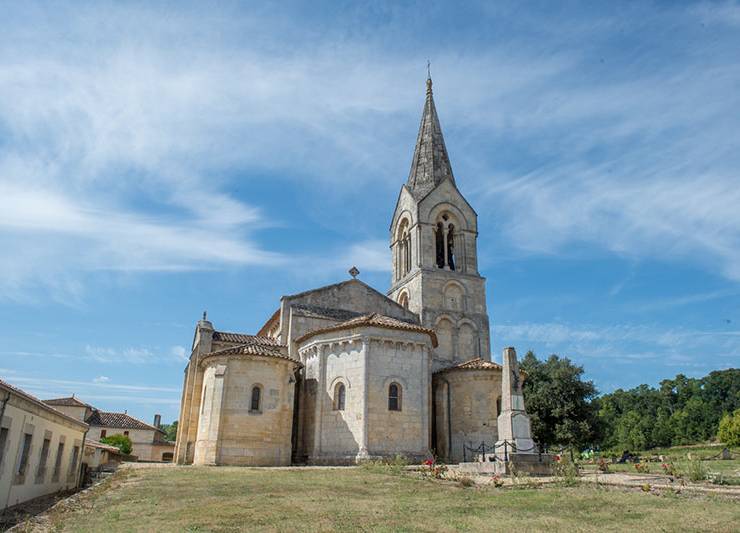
{"type": "Point", "coordinates": [707, 348]}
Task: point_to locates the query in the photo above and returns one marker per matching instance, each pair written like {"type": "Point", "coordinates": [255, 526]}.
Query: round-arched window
{"type": "Point", "coordinates": [394, 397]}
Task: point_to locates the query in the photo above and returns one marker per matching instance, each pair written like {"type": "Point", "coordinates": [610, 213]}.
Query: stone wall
{"type": "Point", "coordinates": [366, 360]}
{"type": "Point", "coordinates": [471, 417]}
{"type": "Point", "coordinates": [42, 474]}
{"type": "Point", "coordinates": [229, 432]}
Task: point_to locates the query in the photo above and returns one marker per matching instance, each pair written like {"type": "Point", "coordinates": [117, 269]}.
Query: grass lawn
{"type": "Point", "coordinates": [679, 456]}
{"type": "Point", "coordinates": [356, 499]}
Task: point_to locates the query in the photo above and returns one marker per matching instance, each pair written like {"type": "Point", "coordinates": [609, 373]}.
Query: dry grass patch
{"type": "Point", "coordinates": [353, 499]}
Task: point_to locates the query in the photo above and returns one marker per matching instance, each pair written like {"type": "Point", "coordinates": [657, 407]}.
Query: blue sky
{"type": "Point", "coordinates": [156, 161]}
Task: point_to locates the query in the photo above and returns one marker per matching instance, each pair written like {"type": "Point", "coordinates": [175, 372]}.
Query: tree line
{"type": "Point", "coordinates": [566, 410]}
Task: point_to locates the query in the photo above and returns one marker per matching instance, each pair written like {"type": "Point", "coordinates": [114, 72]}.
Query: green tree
{"type": "Point", "coordinates": [729, 429]}
{"type": "Point", "coordinates": [122, 442]}
{"type": "Point", "coordinates": [170, 430]}
{"type": "Point", "coordinates": [558, 401]}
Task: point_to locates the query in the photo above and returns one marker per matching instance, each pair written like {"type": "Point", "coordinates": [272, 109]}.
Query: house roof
{"type": "Point", "coordinates": [473, 364]}
{"type": "Point", "coordinates": [118, 420]}
{"type": "Point", "coordinates": [4, 385]}
{"type": "Point", "coordinates": [431, 163]}
{"type": "Point", "coordinates": [96, 444]}
{"type": "Point", "coordinates": [373, 320]}
{"type": "Point", "coordinates": [67, 402]}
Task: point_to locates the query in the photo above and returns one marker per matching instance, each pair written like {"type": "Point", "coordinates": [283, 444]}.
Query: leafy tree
{"type": "Point", "coordinates": [122, 442]}
{"type": "Point", "coordinates": [558, 401]}
{"type": "Point", "coordinates": [729, 429]}
{"type": "Point", "coordinates": [170, 430]}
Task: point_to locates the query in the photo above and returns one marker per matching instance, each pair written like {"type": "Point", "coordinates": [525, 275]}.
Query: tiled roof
{"type": "Point", "coordinates": [11, 388]}
{"type": "Point", "coordinates": [316, 311]}
{"type": "Point", "coordinates": [117, 420]}
{"type": "Point", "coordinates": [67, 402]}
{"type": "Point", "coordinates": [96, 444]}
{"type": "Point", "coordinates": [257, 346]}
{"type": "Point", "coordinates": [373, 320]}
{"type": "Point", "coordinates": [474, 364]}
{"type": "Point", "coordinates": [242, 338]}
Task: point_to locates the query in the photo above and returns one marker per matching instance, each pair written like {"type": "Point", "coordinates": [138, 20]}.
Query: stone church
{"type": "Point", "coordinates": [343, 372]}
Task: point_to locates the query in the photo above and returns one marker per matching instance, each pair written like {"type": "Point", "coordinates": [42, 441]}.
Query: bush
{"type": "Point", "coordinates": [729, 429]}
{"type": "Point", "coordinates": [122, 442]}
{"type": "Point", "coordinates": [466, 482]}
{"type": "Point", "coordinates": [566, 471]}
{"type": "Point", "coordinates": [693, 470]}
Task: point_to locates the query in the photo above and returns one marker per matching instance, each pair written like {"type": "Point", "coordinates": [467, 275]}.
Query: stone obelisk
{"type": "Point", "coordinates": [513, 422]}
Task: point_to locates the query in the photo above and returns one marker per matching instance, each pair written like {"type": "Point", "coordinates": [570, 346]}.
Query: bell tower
{"type": "Point", "coordinates": [433, 237]}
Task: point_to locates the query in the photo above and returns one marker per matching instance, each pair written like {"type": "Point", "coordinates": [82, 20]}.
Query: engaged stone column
{"type": "Point", "coordinates": [513, 422]}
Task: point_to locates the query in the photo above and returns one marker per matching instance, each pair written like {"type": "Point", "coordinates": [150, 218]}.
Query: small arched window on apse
{"type": "Point", "coordinates": [403, 300]}
{"type": "Point", "coordinates": [255, 401]}
{"type": "Point", "coordinates": [394, 397]}
{"type": "Point", "coordinates": [340, 395]}
{"type": "Point", "coordinates": [498, 406]}
{"type": "Point", "coordinates": [403, 249]}
{"type": "Point", "coordinates": [444, 240]}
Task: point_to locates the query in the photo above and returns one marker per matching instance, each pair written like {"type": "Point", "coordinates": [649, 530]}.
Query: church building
{"type": "Point", "coordinates": [343, 373]}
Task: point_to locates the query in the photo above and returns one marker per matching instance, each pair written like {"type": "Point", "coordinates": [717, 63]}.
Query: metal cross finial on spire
{"type": "Point", "coordinates": [205, 314]}
{"type": "Point", "coordinates": [354, 272]}
{"type": "Point", "coordinates": [429, 69]}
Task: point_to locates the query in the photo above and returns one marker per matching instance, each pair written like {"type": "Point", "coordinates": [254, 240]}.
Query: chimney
{"type": "Point", "coordinates": [157, 421]}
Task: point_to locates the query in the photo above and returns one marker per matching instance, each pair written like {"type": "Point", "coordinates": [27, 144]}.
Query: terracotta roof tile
{"type": "Point", "coordinates": [257, 346]}
{"type": "Point", "coordinates": [242, 338]}
{"type": "Point", "coordinates": [117, 420]}
{"type": "Point", "coordinates": [474, 364]}
{"type": "Point", "coordinates": [373, 320]}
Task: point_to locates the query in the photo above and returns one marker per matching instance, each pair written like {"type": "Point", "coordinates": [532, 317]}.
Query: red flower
{"type": "Point", "coordinates": [429, 462]}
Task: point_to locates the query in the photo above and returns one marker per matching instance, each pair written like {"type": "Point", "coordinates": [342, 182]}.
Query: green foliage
{"type": "Point", "coordinates": [170, 431]}
{"type": "Point", "coordinates": [729, 429]}
{"type": "Point", "coordinates": [566, 471]}
{"type": "Point", "coordinates": [122, 442]}
{"type": "Point", "coordinates": [693, 470]}
{"type": "Point", "coordinates": [681, 411]}
{"type": "Point", "coordinates": [558, 401]}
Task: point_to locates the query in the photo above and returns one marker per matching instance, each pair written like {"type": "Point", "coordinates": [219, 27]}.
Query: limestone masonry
{"type": "Point", "coordinates": [343, 373]}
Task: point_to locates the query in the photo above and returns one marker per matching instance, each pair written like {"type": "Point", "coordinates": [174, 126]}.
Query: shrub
{"type": "Point", "coordinates": [603, 465]}
{"type": "Point", "coordinates": [466, 482]}
{"type": "Point", "coordinates": [122, 442]}
{"type": "Point", "coordinates": [694, 470]}
{"type": "Point", "coordinates": [729, 429]}
{"type": "Point", "coordinates": [642, 468]}
{"type": "Point", "coordinates": [566, 470]}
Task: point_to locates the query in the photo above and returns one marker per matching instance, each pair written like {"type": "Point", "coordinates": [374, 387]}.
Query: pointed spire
{"type": "Point", "coordinates": [431, 164]}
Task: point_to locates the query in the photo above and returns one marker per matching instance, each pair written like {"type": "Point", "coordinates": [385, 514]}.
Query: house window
{"type": "Point", "coordinates": [340, 394]}
{"type": "Point", "coordinates": [255, 404]}
{"type": "Point", "coordinates": [394, 397]}
{"type": "Point", "coordinates": [73, 461]}
{"type": "Point", "coordinates": [41, 472]}
{"type": "Point", "coordinates": [25, 451]}
{"type": "Point", "coordinates": [3, 441]}
{"type": "Point", "coordinates": [58, 462]}
{"type": "Point", "coordinates": [103, 433]}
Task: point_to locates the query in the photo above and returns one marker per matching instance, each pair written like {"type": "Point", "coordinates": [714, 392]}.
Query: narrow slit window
{"type": "Point", "coordinates": [340, 395]}
{"type": "Point", "coordinates": [255, 403]}
{"type": "Point", "coordinates": [394, 397]}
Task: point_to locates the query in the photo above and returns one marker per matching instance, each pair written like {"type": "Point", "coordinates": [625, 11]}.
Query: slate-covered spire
{"type": "Point", "coordinates": [431, 164]}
